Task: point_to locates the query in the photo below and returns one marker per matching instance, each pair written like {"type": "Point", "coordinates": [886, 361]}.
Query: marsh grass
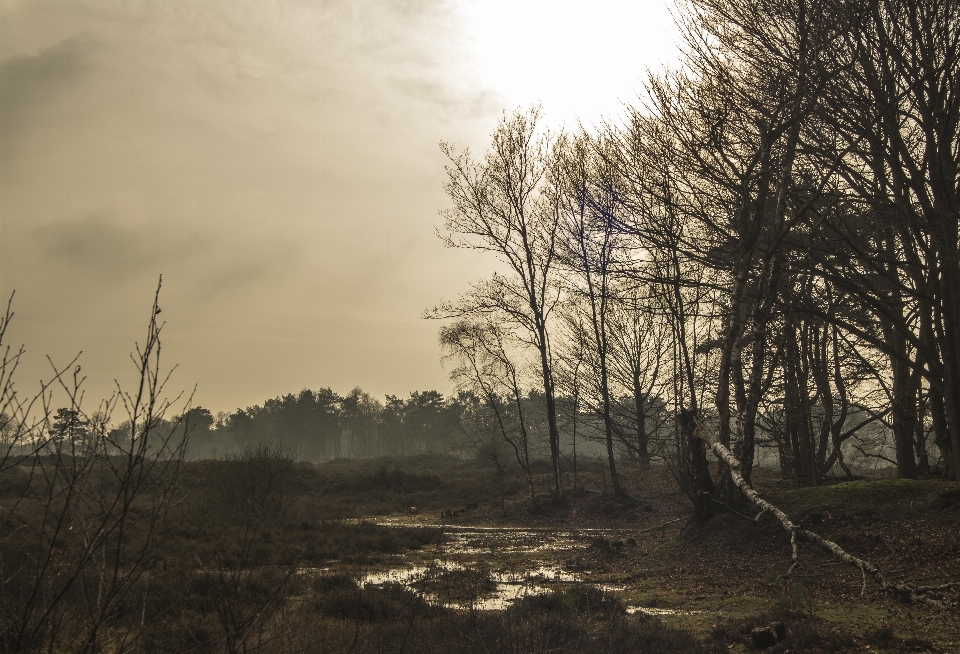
{"type": "Point", "coordinates": [458, 585]}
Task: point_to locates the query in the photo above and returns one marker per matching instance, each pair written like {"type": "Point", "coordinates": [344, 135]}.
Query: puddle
{"type": "Point", "coordinates": [483, 553]}
{"type": "Point", "coordinates": [486, 541]}
{"type": "Point", "coordinates": [505, 595]}
{"type": "Point", "coordinates": [508, 586]}
{"type": "Point", "coordinates": [405, 576]}
{"type": "Point", "coordinates": [651, 611]}
{"type": "Point", "coordinates": [412, 574]}
{"type": "Point", "coordinates": [508, 582]}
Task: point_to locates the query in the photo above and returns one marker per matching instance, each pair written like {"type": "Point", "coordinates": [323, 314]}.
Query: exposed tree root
{"type": "Point", "coordinates": [932, 595]}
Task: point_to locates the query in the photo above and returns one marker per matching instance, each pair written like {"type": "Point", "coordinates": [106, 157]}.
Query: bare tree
{"type": "Point", "coordinates": [641, 343]}
{"type": "Point", "coordinates": [77, 541]}
{"type": "Point", "coordinates": [591, 249]}
{"type": "Point", "coordinates": [502, 205]}
{"type": "Point", "coordinates": [486, 367]}
{"type": "Point", "coordinates": [572, 376]}
{"type": "Point", "coordinates": [655, 196]}
{"type": "Point", "coordinates": [891, 121]}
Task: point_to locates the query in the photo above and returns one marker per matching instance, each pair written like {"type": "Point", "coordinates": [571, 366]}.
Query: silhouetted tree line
{"type": "Point", "coordinates": [762, 253]}
{"type": "Point", "coordinates": [323, 425]}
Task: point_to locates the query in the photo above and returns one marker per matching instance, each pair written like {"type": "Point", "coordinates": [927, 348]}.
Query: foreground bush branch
{"type": "Point", "coordinates": [83, 507]}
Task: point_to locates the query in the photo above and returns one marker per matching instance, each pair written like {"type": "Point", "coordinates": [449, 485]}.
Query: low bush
{"type": "Point", "coordinates": [379, 603]}
{"type": "Point", "coordinates": [572, 599]}
{"type": "Point", "coordinates": [458, 585]}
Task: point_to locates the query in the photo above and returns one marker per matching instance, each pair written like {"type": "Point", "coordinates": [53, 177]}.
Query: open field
{"type": "Point", "coordinates": [431, 553]}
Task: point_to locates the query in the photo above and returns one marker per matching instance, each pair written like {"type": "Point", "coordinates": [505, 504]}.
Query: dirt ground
{"type": "Point", "coordinates": [723, 576]}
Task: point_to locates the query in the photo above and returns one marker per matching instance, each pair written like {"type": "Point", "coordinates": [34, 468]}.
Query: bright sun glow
{"type": "Point", "coordinates": [583, 60]}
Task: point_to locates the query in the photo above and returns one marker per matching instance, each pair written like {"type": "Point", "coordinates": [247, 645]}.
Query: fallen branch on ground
{"type": "Point", "coordinates": [660, 526]}
{"type": "Point", "coordinates": [925, 594]}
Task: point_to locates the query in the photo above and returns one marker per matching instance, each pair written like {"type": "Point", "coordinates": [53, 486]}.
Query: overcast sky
{"type": "Point", "coordinates": [277, 161]}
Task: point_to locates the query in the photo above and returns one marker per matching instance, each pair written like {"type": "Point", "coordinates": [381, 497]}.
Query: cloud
{"type": "Point", "coordinates": [101, 246]}
{"type": "Point", "coordinates": [33, 86]}
{"type": "Point", "coordinates": [276, 161]}
{"type": "Point", "coordinates": [272, 262]}
{"type": "Point", "coordinates": [105, 250]}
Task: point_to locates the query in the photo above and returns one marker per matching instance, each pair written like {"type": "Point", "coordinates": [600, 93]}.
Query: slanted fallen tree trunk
{"type": "Point", "coordinates": [910, 592]}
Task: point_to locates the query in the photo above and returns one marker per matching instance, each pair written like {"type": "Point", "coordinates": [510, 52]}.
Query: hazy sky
{"type": "Point", "coordinates": [277, 161]}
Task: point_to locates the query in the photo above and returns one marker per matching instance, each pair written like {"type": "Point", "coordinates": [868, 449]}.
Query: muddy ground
{"type": "Point", "coordinates": [716, 579]}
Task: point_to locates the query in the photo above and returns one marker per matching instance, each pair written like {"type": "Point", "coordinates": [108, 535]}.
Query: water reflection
{"type": "Point", "coordinates": [488, 568]}
{"type": "Point", "coordinates": [651, 611]}
{"type": "Point", "coordinates": [505, 587]}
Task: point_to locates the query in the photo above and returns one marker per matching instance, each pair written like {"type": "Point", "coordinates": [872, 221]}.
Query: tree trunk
{"type": "Point", "coordinates": [950, 298]}
{"type": "Point", "coordinates": [701, 483]}
{"type": "Point", "coordinates": [643, 439]}
{"type": "Point", "coordinates": [548, 391]}
{"type": "Point", "coordinates": [795, 410]}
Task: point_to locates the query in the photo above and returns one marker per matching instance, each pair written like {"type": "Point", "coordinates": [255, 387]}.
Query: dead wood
{"type": "Point", "coordinates": [660, 526]}
{"type": "Point", "coordinates": [910, 592]}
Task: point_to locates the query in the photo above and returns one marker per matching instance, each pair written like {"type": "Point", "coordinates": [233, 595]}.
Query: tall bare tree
{"type": "Point", "coordinates": [891, 121]}
{"type": "Point", "coordinates": [641, 343]}
{"type": "Point", "coordinates": [656, 198]}
{"type": "Point", "coordinates": [502, 204]}
{"type": "Point", "coordinates": [592, 252]}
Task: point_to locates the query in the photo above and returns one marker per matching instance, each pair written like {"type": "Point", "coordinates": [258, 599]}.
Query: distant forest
{"type": "Point", "coordinates": [323, 425]}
